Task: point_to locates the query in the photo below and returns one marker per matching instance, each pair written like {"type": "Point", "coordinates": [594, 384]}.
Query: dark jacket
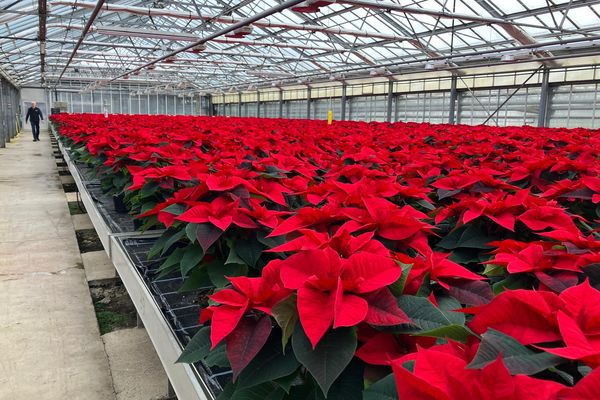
{"type": "Point", "coordinates": [35, 114]}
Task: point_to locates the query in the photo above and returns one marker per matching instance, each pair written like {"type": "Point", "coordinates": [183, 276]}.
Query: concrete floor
{"type": "Point", "coordinates": [137, 372]}
{"type": "Point", "coordinates": [98, 266]}
{"type": "Point", "coordinates": [82, 221]}
{"type": "Point", "coordinates": [49, 338]}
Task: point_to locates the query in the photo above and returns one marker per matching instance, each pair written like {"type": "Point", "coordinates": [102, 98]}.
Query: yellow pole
{"type": "Point", "coordinates": [329, 117]}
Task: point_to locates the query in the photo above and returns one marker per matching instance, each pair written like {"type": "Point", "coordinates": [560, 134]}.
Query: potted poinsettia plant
{"type": "Point", "coordinates": [371, 260]}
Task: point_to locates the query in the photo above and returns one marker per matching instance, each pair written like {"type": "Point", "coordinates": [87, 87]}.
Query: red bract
{"type": "Point", "coordinates": [383, 348]}
{"type": "Point", "coordinates": [441, 373]}
{"type": "Point", "coordinates": [141, 175]}
{"type": "Point", "coordinates": [264, 216]}
{"type": "Point", "coordinates": [342, 242]}
{"type": "Point", "coordinates": [247, 294]}
{"type": "Point", "coordinates": [580, 325]}
{"type": "Point", "coordinates": [455, 182]}
{"type": "Point", "coordinates": [220, 212]}
{"type": "Point", "coordinates": [308, 217]}
{"type": "Point", "coordinates": [592, 183]}
{"type": "Point", "coordinates": [402, 224]}
{"type": "Point", "coordinates": [498, 207]}
{"type": "Point", "coordinates": [437, 267]}
{"type": "Point", "coordinates": [528, 316]}
{"type": "Point", "coordinates": [332, 290]}
{"type": "Point", "coordinates": [533, 257]}
{"type": "Point", "coordinates": [389, 220]}
{"type": "Point", "coordinates": [540, 218]}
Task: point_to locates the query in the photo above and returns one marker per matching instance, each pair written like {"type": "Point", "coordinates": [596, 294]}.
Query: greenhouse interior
{"type": "Point", "coordinates": [300, 200]}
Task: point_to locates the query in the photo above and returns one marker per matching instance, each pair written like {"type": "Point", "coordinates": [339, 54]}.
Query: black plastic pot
{"type": "Point", "coordinates": [119, 204]}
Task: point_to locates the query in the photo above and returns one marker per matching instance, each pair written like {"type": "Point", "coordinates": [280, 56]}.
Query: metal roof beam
{"type": "Point", "coordinates": [509, 18]}
{"type": "Point", "coordinates": [89, 23]}
{"type": "Point", "coordinates": [513, 29]}
{"type": "Point", "coordinates": [389, 6]}
{"type": "Point", "coordinates": [42, 36]}
{"type": "Point", "coordinates": [222, 32]}
{"type": "Point", "coordinates": [229, 20]}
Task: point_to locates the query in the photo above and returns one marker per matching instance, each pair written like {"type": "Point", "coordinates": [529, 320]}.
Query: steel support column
{"type": "Point", "coordinates": [258, 104]}
{"type": "Point", "coordinates": [42, 10]}
{"type": "Point", "coordinates": [308, 101]}
{"type": "Point", "coordinates": [343, 111]}
{"type": "Point", "coordinates": [239, 104]}
{"type": "Point", "coordinates": [3, 136]}
{"type": "Point", "coordinates": [280, 103]}
{"type": "Point", "coordinates": [545, 92]}
{"type": "Point", "coordinates": [209, 105]}
{"type": "Point", "coordinates": [453, 99]}
{"type": "Point", "coordinates": [390, 101]}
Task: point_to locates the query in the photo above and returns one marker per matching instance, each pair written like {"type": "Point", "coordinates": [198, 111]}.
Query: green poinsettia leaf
{"type": "Point", "coordinates": [329, 358]}
{"type": "Point", "coordinates": [517, 358]}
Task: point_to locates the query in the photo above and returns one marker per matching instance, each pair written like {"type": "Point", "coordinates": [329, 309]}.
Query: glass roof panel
{"type": "Point", "coordinates": [470, 7]}
{"type": "Point", "coordinates": [510, 6]}
{"type": "Point", "coordinates": [302, 50]}
{"type": "Point", "coordinates": [583, 17]}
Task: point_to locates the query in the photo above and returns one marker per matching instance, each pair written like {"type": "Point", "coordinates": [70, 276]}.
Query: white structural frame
{"type": "Point", "coordinates": [341, 36]}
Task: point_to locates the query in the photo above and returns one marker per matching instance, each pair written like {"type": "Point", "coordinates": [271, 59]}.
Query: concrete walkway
{"type": "Point", "coordinates": [50, 347]}
{"type": "Point", "coordinates": [136, 369]}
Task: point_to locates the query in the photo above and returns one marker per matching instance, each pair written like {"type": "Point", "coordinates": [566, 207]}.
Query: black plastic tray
{"type": "Point", "coordinates": [181, 309]}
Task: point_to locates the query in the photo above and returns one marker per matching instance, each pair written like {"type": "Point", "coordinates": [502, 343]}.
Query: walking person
{"type": "Point", "coordinates": [34, 114]}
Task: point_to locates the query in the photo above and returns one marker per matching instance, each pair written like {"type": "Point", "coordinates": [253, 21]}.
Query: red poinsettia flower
{"type": "Point", "coordinates": [391, 222]}
{"type": "Point", "coordinates": [499, 207]}
{"type": "Point", "coordinates": [342, 242]}
{"type": "Point", "coordinates": [184, 195]}
{"type": "Point", "coordinates": [246, 294]}
{"type": "Point", "coordinates": [579, 325]}
{"type": "Point", "coordinates": [141, 175]}
{"type": "Point", "coordinates": [592, 183]}
{"type": "Point", "coordinates": [308, 217]}
{"type": "Point", "coordinates": [270, 189]}
{"type": "Point", "coordinates": [224, 182]}
{"type": "Point", "coordinates": [456, 181]}
{"type": "Point", "coordinates": [441, 373]}
{"type": "Point", "coordinates": [575, 241]}
{"type": "Point", "coordinates": [439, 268]}
{"type": "Point", "coordinates": [220, 212]}
{"type": "Point", "coordinates": [332, 290]}
{"type": "Point", "coordinates": [540, 218]}
{"type": "Point", "coordinates": [527, 315]}
{"type": "Point", "coordinates": [263, 215]}
{"type": "Point", "coordinates": [383, 348]}
{"type": "Point", "coordinates": [533, 257]}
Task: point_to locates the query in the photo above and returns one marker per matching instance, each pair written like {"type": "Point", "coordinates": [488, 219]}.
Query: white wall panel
{"type": "Point", "coordinates": [522, 109]}
{"type": "Point", "coordinates": [574, 106]}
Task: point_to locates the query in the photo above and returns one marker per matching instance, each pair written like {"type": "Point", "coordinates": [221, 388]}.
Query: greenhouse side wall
{"type": "Point", "coordinates": [9, 109]}
{"type": "Point", "coordinates": [502, 99]}
{"type": "Point", "coordinates": [123, 101]}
